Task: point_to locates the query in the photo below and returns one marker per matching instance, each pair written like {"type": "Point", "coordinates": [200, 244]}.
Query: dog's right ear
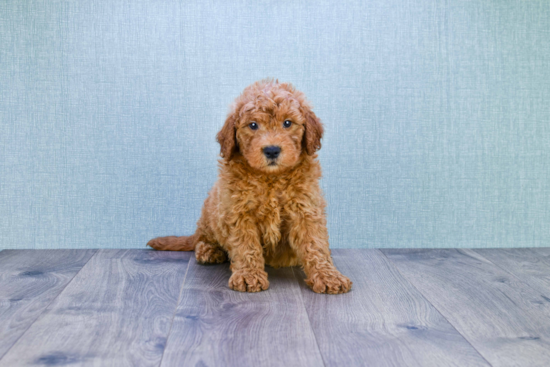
{"type": "Point", "coordinates": [227, 137]}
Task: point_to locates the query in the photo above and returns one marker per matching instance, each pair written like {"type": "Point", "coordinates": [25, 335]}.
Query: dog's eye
{"type": "Point", "coordinates": [287, 123]}
{"type": "Point", "coordinates": [253, 126]}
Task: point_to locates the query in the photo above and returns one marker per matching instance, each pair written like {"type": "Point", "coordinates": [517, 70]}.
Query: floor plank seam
{"type": "Point", "coordinates": [176, 309]}
{"type": "Point", "coordinates": [435, 308]}
{"type": "Point", "coordinates": [507, 271]}
{"type": "Point", "coordinates": [49, 304]}
{"type": "Point", "coordinates": [308, 318]}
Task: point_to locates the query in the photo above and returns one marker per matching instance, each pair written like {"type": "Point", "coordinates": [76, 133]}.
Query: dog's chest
{"type": "Point", "coordinates": [270, 215]}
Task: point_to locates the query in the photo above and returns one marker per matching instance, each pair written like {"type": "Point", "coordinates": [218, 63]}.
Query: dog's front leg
{"type": "Point", "coordinates": [247, 260]}
{"type": "Point", "coordinates": [309, 238]}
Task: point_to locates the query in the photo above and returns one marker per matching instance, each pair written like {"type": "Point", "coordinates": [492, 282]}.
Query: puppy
{"type": "Point", "coordinates": [267, 206]}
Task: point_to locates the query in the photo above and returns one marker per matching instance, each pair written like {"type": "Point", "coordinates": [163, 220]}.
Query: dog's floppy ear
{"type": "Point", "coordinates": [227, 137]}
{"type": "Point", "coordinates": [313, 134]}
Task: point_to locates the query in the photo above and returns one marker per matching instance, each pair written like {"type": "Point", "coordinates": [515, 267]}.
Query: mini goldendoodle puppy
{"type": "Point", "coordinates": [267, 206]}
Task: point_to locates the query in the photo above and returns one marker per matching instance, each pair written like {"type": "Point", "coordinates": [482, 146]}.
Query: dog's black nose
{"type": "Point", "coordinates": [272, 152]}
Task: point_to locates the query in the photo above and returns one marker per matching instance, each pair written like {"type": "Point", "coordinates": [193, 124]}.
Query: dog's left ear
{"type": "Point", "coordinates": [313, 134]}
{"type": "Point", "coordinates": [227, 137]}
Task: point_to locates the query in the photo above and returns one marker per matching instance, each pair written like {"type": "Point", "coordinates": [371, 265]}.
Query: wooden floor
{"type": "Point", "coordinates": [147, 308]}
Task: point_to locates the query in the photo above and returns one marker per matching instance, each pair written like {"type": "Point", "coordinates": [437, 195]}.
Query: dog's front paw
{"type": "Point", "coordinates": [329, 281]}
{"type": "Point", "coordinates": [249, 280]}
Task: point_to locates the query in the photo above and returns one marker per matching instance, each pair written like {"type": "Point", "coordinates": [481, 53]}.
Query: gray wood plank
{"type": "Point", "coordinates": [500, 316]}
{"type": "Point", "coordinates": [544, 253]}
{"type": "Point", "coordinates": [526, 264]}
{"type": "Point", "coordinates": [215, 326]}
{"type": "Point", "coordinates": [116, 312]}
{"type": "Point", "coordinates": [29, 281]}
{"type": "Point", "coordinates": [383, 321]}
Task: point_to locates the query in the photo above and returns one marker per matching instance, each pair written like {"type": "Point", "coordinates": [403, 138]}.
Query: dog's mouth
{"type": "Point", "coordinates": [273, 162]}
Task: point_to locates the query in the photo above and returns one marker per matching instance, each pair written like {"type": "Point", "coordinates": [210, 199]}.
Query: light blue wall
{"type": "Point", "coordinates": [437, 115]}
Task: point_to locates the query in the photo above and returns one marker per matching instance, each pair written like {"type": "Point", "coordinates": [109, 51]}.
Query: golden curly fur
{"type": "Point", "coordinates": [267, 206]}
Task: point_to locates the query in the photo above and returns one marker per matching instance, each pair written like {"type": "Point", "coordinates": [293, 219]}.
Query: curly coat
{"type": "Point", "coordinates": [266, 208]}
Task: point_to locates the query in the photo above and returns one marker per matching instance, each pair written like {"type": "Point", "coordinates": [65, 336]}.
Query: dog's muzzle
{"type": "Point", "coordinates": [272, 152]}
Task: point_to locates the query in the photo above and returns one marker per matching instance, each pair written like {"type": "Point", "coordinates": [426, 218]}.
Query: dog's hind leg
{"type": "Point", "coordinates": [208, 253]}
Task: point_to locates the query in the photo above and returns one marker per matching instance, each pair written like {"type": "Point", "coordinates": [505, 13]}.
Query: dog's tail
{"type": "Point", "coordinates": [173, 243]}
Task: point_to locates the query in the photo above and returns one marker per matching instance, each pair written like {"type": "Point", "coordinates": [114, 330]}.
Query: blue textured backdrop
{"type": "Point", "coordinates": [437, 115]}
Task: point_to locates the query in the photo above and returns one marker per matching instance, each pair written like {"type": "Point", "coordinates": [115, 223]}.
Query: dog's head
{"type": "Point", "coordinates": [271, 124]}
